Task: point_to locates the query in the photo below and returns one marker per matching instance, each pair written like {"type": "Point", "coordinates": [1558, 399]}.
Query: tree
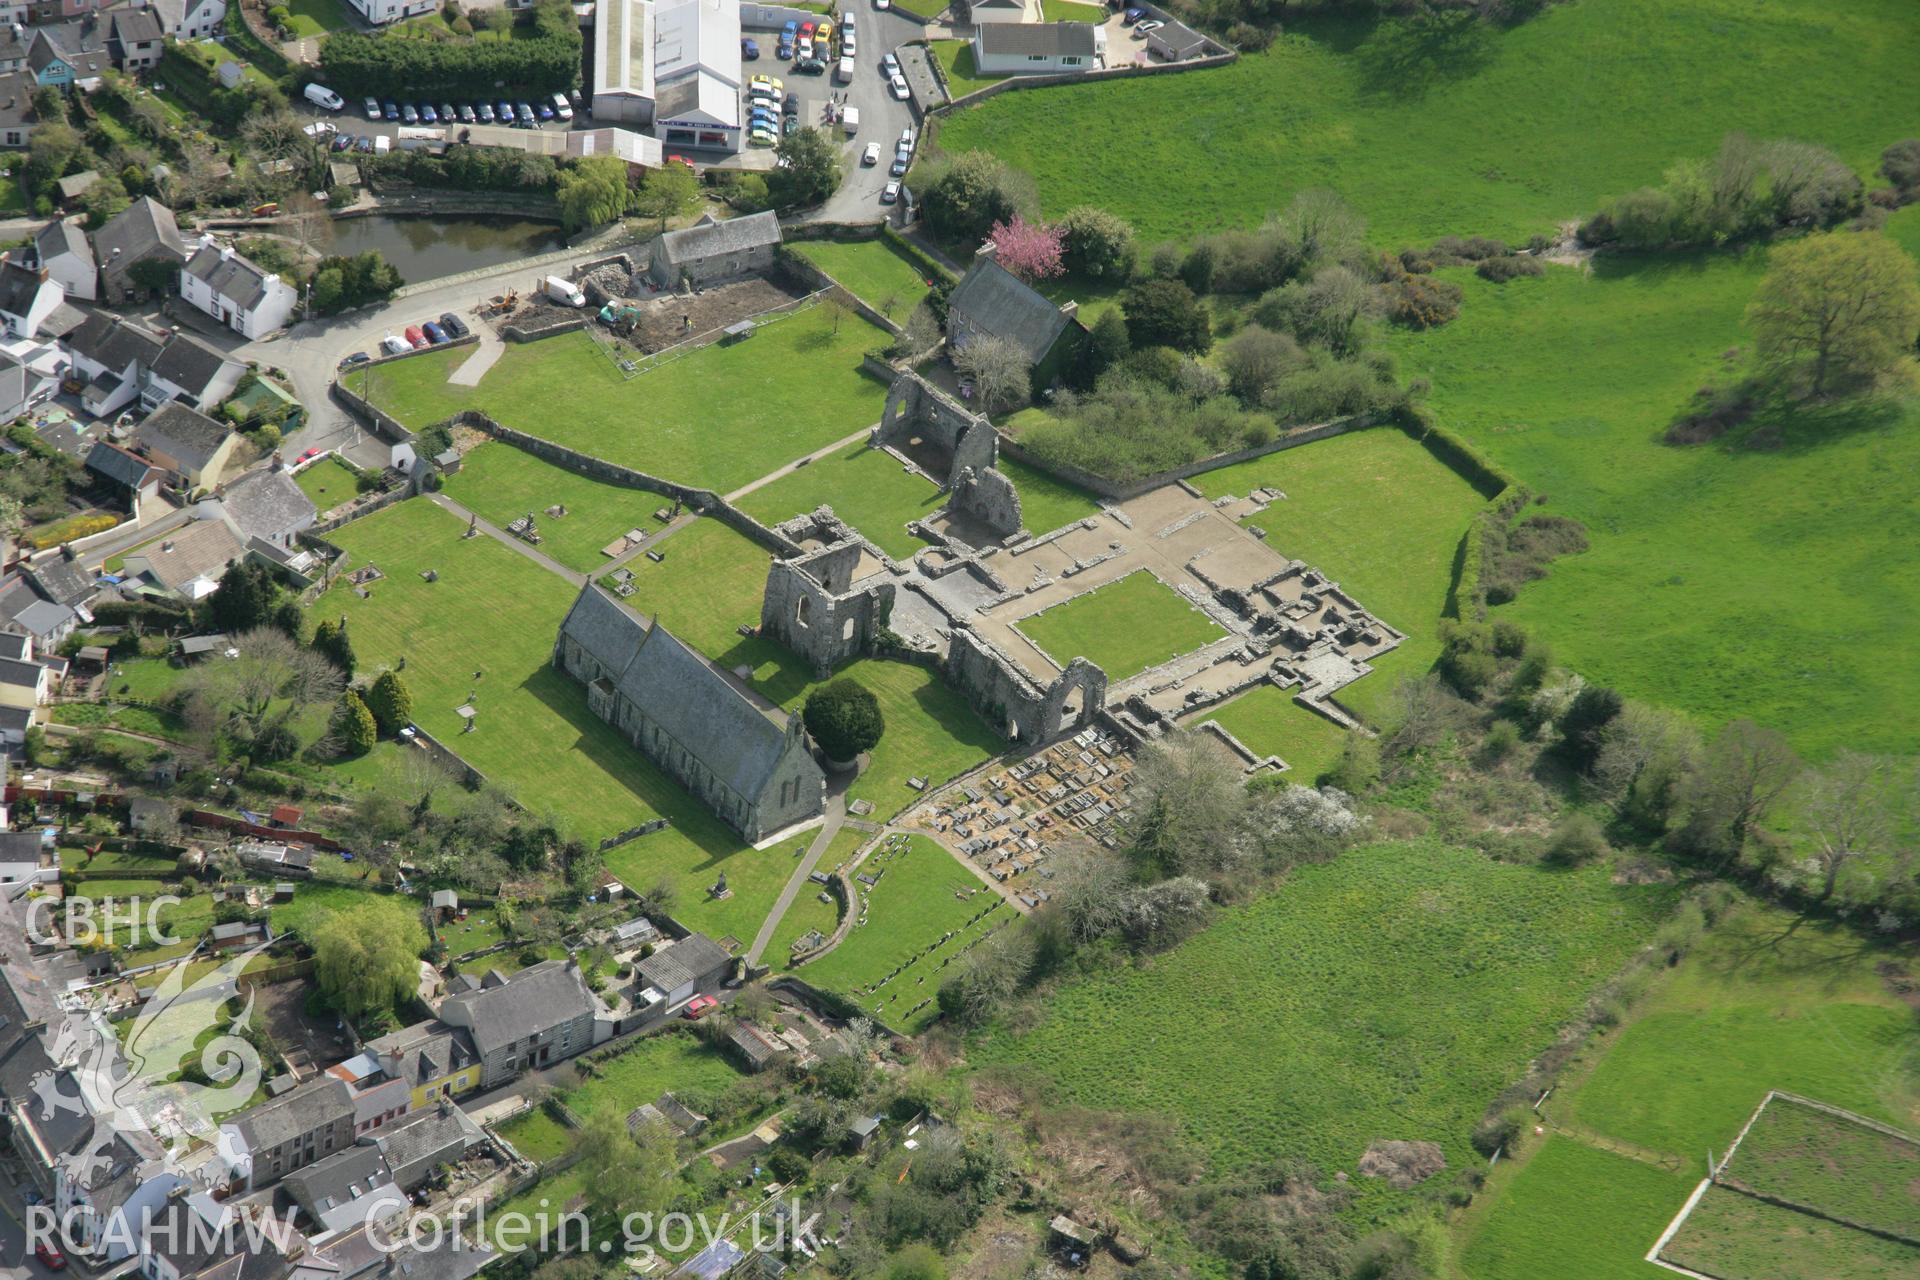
{"type": "Point", "coordinates": [1585, 723]}
{"type": "Point", "coordinates": [1106, 346]}
{"type": "Point", "coordinates": [1165, 313]}
{"type": "Point", "coordinates": [844, 719]}
{"type": "Point", "coordinates": [1647, 755]}
{"type": "Point", "coordinates": [1091, 891]}
{"type": "Point", "coordinates": [330, 641]}
{"type": "Point", "coordinates": [1095, 243]}
{"type": "Point", "coordinates": [353, 725]}
{"type": "Point", "coordinates": [1030, 250]}
{"type": "Point", "coordinates": [1320, 227]}
{"type": "Point", "coordinates": [593, 192]}
{"type": "Point", "coordinates": [1255, 359]}
{"type": "Point", "coordinates": [1001, 375]}
{"type": "Point", "coordinates": [391, 703]}
{"type": "Point", "coordinates": [1849, 814]}
{"type": "Point", "coordinates": [974, 192]}
{"type": "Point", "coordinates": [367, 958]}
{"type": "Point", "coordinates": [667, 192]}
{"type": "Point", "coordinates": [268, 682]}
{"type": "Point", "coordinates": [627, 1175]}
{"type": "Point", "coordinates": [1900, 163]}
{"type": "Point", "coordinates": [809, 169]}
{"type": "Point", "coordinates": [244, 599]}
{"type": "Point", "coordinates": [1746, 771]}
{"type": "Point", "coordinates": [1190, 807]}
{"type": "Point", "coordinates": [1836, 307]}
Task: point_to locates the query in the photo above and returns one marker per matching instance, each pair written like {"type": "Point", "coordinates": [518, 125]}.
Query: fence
{"type": "Point", "coordinates": [650, 361]}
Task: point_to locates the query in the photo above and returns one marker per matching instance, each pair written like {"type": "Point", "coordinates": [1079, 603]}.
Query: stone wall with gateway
{"type": "Point", "coordinates": [1014, 706]}
{"type": "Point", "coordinates": [810, 607]}
{"type": "Point", "coordinates": [915, 408]}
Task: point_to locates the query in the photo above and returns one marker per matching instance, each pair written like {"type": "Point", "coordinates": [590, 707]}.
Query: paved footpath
{"type": "Point", "coordinates": [532, 553]}
{"type": "Point", "coordinates": [836, 814]}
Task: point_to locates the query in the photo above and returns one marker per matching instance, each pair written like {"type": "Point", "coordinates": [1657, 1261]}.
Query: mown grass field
{"type": "Point", "coordinates": [892, 961]}
{"type": "Point", "coordinates": [1046, 503]}
{"type": "Point", "coordinates": [327, 483]}
{"type": "Point", "coordinates": [673, 1061]}
{"type": "Point", "coordinates": [1736, 1237]}
{"type": "Point", "coordinates": [791, 388]}
{"type": "Point", "coordinates": [500, 484]}
{"type": "Point", "coordinates": [1832, 1165]}
{"type": "Point", "coordinates": [1697, 551]}
{"type": "Point", "coordinates": [1768, 1001]}
{"type": "Point", "coordinates": [1490, 132]}
{"type": "Point", "coordinates": [1376, 512]}
{"type": "Point", "coordinates": [868, 488]}
{"type": "Point", "coordinates": [1125, 627]}
{"type": "Point", "coordinates": [956, 60]}
{"type": "Point", "coordinates": [873, 270]}
{"type": "Point", "coordinates": [808, 912]}
{"type": "Point", "coordinates": [495, 611]}
{"type": "Point", "coordinates": [1392, 992]}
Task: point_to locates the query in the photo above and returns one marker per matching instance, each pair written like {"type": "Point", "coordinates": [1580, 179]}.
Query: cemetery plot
{"type": "Point", "coordinates": [918, 912]}
{"type": "Point", "coordinates": [574, 518]}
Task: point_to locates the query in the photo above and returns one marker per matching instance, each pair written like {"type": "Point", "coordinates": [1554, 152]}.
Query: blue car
{"type": "Point", "coordinates": [427, 114]}
{"type": "Point", "coordinates": [389, 111]}
{"type": "Point", "coordinates": [792, 30]}
{"type": "Point", "coordinates": [505, 110]}
{"type": "Point", "coordinates": [435, 334]}
{"type": "Point", "coordinates": [749, 49]}
{"type": "Point", "coordinates": [784, 50]}
{"type": "Point", "coordinates": [544, 111]}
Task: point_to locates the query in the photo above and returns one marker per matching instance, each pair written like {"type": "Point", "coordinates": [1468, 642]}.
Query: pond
{"type": "Point", "coordinates": [428, 248]}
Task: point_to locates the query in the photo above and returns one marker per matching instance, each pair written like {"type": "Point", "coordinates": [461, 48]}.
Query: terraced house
{"type": "Point", "coordinates": [541, 1015]}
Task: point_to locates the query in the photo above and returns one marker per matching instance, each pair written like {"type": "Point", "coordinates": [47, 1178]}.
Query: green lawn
{"type": "Point", "coordinates": [1488, 131]}
{"type": "Point", "coordinates": [1269, 721]}
{"type": "Point", "coordinates": [893, 959]}
{"type": "Point", "coordinates": [720, 417]}
{"type": "Point", "coordinates": [1832, 1165]}
{"type": "Point", "coordinates": [808, 912]}
{"type": "Point", "coordinates": [13, 197]}
{"type": "Point", "coordinates": [317, 17]}
{"type": "Point", "coordinates": [956, 59]}
{"type": "Point", "coordinates": [328, 483]}
{"type": "Point", "coordinates": [496, 611]}
{"type": "Point", "coordinates": [674, 1061]}
{"type": "Point", "coordinates": [1697, 551]}
{"type": "Point", "coordinates": [873, 270]}
{"type": "Point", "coordinates": [1071, 11]}
{"type": "Point", "coordinates": [501, 483]}
{"type": "Point", "coordinates": [313, 902]}
{"type": "Point", "coordinates": [868, 488]}
{"type": "Point", "coordinates": [1392, 992]}
{"type": "Point", "coordinates": [1124, 627]}
{"type": "Point", "coordinates": [1047, 503]}
{"type": "Point", "coordinates": [1736, 1237]}
{"type": "Point", "coordinates": [706, 586]}
{"type": "Point", "coordinates": [1768, 1001]}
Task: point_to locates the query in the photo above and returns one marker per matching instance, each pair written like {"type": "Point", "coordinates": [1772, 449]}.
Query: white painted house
{"type": "Point", "coordinates": [696, 74]}
{"type": "Point", "coordinates": [1049, 48]}
{"type": "Point", "coordinates": [381, 12]}
{"type": "Point", "coordinates": [245, 298]}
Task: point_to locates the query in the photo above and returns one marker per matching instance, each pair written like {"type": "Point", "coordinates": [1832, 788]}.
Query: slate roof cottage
{"type": "Point", "coordinates": [246, 298]}
{"type": "Point", "coordinates": [541, 1015]}
{"type": "Point", "coordinates": [990, 301]}
{"type": "Point", "coordinates": [712, 249]}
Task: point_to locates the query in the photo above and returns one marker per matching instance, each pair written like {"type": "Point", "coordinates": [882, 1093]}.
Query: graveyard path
{"type": "Point", "coordinates": [534, 554]}
{"type": "Point", "coordinates": [780, 473]}
{"type": "Point", "coordinates": [822, 840]}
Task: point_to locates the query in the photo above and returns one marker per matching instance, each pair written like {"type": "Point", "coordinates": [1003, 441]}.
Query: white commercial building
{"type": "Point", "coordinates": [696, 74]}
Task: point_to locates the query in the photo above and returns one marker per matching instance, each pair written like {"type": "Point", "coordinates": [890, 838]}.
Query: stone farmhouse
{"type": "Point", "coordinates": [541, 1015]}
{"type": "Point", "coordinates": [714, 249]}
{"type": "Point", "coordinates": [739, 756]}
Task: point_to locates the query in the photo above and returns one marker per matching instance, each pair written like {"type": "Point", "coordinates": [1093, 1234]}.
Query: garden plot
{"type": "Point", "coordinates": [1733, 1237]}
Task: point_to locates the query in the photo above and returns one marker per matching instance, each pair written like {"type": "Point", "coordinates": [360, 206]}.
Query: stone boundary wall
{"type": "Point", "coordinates": [634, 833]}
{"type": "Point", "coordinates": [704, 501]}
{"type": "Point", "coordinates": [551, 329]}
{"type": "Point", "coordinates": [453, 761]}
{"type": "Point", "coordinates": [378, 502]}
{"type": "Point", "coordinates": [1116, 492]}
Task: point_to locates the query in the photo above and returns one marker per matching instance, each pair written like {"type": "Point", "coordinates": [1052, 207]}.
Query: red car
{"type": "Point", "coordinates": [698, 1006]}
{"type": "Point", "coordinates": [418, 338]}
{"type": "Point", "coordinates": [311, 453]}
{"type": "Point", "coordinates": [51, 1258]}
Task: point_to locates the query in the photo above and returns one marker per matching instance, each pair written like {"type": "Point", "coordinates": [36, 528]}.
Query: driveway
{"type": "Point", "coordinates": [882, 116]}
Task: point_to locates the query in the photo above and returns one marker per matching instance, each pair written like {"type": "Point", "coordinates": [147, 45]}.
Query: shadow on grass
{"type": "Point", "coordinates": [1406, 58]}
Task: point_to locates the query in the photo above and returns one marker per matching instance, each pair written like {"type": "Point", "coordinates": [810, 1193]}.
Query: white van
{"type": "Point", "coordinates": [382, 144]}
{"type": "Point", "coordinates": [843, 73]}
{"type": "Point", "coordinates": [561, 107]}
{"type": "Point", "coordinates": [563, 291]}
{"type": "Point", "coordinates": [851, 119]}
{"type": "Point", "coordinates": [324, 98]}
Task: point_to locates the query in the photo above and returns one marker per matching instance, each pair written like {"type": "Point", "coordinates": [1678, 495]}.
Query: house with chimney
{"type": "Point", "coordinates": [435, 1059]}
{"type": "Point", "coordinates": [29, 297]}
{"type": "Point", "coordinates": [542, 1015]}
{"type": "Point", "coordinates": [244, 297]}
{"type": "Point", "coordinates": [63, 250]}
{"type": "Point", "coordinates": [17, 116]}
{"type": "Point", "coordinates": [144, 229]}
{"type": "Point", "coordinates": [70, 55]}
{"type": "Point", "coordinates": [189, 19]}
{"type": "Point", "coordinates": [188, 443]}
{"type": "Point", "coordinates": [306, 1124]}
{"type": "Point", "coordinates": [134, 39]}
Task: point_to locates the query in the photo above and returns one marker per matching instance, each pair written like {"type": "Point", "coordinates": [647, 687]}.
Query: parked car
{"type": "Point", "coordinates": [342, 142]}
{"type": "Point", "coordinates": [561, 107]}
{"type": "Point", "coordinates": [544, 110]}
{"type": "Point", "coordinates": [373, 108]}
{"type": "Point", "coordinates": [698, 1007]}
{"type": "Point", "coordinates": [761, 136]}
{"type": "Point", "coordinates": [416, 337]}
{"type": "Point", "coordinates": [902, 161]}
{"type": "Point", "coordinates": [390, 111]}
{"type": "Point", "coordinates": [53, 1260]}
{"type": "Point", "coordinates": [890, 194]}
{"type": "Point", "coordinates": [395, 345]}
{"type": "Point", "coordinates": [526, 115]}
{"type": "Point", "coordinates": [871, 155]}
{"type": "Point", "coordinates": [804, 51]}
{"type": "Point", "coordinates": [320, 129]}
{"type": "Point", "coordinates": [784, 50]}
{"type": "Point", "coordinates": [806, 30]}
{"type": "Point", "coordinates": [906, 139]}
{"type": "Point", "coordinates": [504, 110]}
{"type": "Point", "coordinates": [448, 113]}
{"type": "Point", "coordinates": [358, 357]}
{"type": "Point", "coordinates": [846, 42]}
{"type": "Point", "coordinates": [810, 66]}
{"type": "Point", "coordinates": [408, 115]}
{"type": "Point", "coordinates": [889, 66]}
{"type": "Point", "coordinates": [883, 5]}
{"type": "Point", "coordinates": [485, 111]}
{"type": "Point", "coordinates": [324, 98]}
{"type": "Point", "coordinates": [435, 334]}
{"type": "Point", "coordinates": [899, 86]}
{"type": "Point", "coordinates": [749, 49]}
{"type": "Point", "coordinates": [311, 454]}
{"type": "Point", "coordinates": [1132, 16]}
{"type": "Point", "coordinates": [454, 325]}
{"type": "Point", "coordinates": [428, 115]}
{"type": "Point", "coordinates": [1140, 29]}
{"type": "Point", "coordinates": [363, 144]}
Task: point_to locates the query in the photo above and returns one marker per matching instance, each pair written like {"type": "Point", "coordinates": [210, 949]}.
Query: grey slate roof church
{"type": "Point", "coordinates": [754, 771]}
{"type": "Point", "coordinates": [990, 301]}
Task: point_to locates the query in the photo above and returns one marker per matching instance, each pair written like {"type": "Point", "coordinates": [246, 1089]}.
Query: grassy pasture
{"type": "Point", "coordinates": [674, 1060]}
{"type": "Point", "coordinates": [1268, 720]}
{"type": "Point", "coordinates": [1462, 131]}
{"type": "Point", "coordinates": [1736, 1237]}
{"type": "Point", "coordinates": [1125, 627]}
{"type": "Point", "coordinates": [922, 895]}
{"type": "Point", "coordinates": [873, 271]}
{"type": "Point", "coordinates": [327, 483]}
{"type": "Point", "coordinates": [1531, 1229]}
{"type": "Point", "coordinates": [868, 488]}
{"type": "Point", "coordinates": [1833, 1165]}
{"type": "Point", "coordinates": [1393, 991]}
{"type": "Point", "coordinates": [793, 387]}
{"type": "Point", "coordinates": [956, 60]}
{"type": "Point", "coordinates": [1696, 550]}
{"type": "Point", "coordinates": [501, 483]}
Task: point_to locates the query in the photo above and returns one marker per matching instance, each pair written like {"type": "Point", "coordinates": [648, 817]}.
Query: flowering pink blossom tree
{"type": "Point", "coordinates": [1028, 249]}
